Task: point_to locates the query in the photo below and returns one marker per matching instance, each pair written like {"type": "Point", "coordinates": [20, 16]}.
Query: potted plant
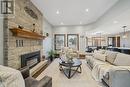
{"type": "Point", "coordinates": [51, 54]}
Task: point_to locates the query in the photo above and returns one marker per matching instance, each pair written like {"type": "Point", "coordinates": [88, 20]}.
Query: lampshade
{"type": "Point", "coordinates": [124, 36]}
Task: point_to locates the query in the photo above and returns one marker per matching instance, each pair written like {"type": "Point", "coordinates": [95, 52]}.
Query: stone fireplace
{"type": "Point", "coordinates": [17, 47]}
{"type": "Point", "coordinates": [30, 59]}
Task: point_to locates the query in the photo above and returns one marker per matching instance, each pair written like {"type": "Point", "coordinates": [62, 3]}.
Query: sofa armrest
{"type": "Point", "coordinates": [25, 72]}
{"type": "Point", "coordinates": [45, 82]}
{"type": "Point", "coordinates": [119, 77]}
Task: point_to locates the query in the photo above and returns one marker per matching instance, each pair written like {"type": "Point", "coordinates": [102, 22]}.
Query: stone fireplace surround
{"type": "Point", "coordinates": [30, 59]}
{"type": "Point", "coordinates": [13, 51]}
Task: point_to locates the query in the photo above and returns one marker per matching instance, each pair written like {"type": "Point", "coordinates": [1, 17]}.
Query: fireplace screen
{"type": "Point", "coordinates": [32, 62]}
{"type": "Point", "coordinates": [30, 59]}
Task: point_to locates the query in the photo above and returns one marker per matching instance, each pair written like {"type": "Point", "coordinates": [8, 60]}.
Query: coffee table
{"type": "Point", "coordinates": [69, 69]}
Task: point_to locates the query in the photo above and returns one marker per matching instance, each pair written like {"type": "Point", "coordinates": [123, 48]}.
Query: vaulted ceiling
{"type": "Point", "coordinates": [73, 12]}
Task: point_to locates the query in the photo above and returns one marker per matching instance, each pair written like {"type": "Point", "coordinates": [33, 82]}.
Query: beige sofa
{"type": "Point", "coordinates": [110, 67]}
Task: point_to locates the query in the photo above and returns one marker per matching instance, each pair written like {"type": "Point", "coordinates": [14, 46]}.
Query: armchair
{"type": "Point", "coordinates": [31, 82]}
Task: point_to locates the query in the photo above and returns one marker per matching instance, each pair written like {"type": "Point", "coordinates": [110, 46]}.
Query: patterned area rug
{"type": "Point", "coordinates": [78, 80]}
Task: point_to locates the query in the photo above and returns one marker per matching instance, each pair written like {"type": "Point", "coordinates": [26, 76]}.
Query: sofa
{"type": "Point", "coordinates": [111, 68]}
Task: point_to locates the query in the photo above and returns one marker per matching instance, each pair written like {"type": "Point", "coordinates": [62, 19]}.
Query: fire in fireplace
{"type": "Point", "coordinates": [30, 59]}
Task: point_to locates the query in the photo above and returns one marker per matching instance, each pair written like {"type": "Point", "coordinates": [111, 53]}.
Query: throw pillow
{"type": "Point", "coordinates": [99, 56]}
{"type": "Point", "coordinates": [111, 56]}
{"type": "Point", "coordinates": [100, 51]}
{"type": "Point", "coordinates": [122, 60]}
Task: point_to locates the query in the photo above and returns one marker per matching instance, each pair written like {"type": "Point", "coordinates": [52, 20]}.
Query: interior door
{"type": "Point", "coordinates": [118, 41]}
{"type": "Point", "coordinates": [112, 41]}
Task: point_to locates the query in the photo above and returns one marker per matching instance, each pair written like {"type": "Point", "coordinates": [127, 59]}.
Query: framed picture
{"type": "Point", "coordinates": [73, 41]}
{"type": "Point", "coordinates": [59, 41]}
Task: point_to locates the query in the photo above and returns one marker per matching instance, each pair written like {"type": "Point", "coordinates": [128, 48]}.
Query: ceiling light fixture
{"type": "Point", "coordinates": [124, 33]}
{"type": "Point", "coordinates": [57, 12]}
{"type": "Point", "coordinates": [86, 10]}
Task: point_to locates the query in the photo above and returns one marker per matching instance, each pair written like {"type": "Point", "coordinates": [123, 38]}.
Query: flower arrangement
{"type": "Point", "coordinates": [69, 57]}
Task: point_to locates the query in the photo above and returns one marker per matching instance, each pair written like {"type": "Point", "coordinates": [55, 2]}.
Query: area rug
{"type": "Point", "coordinates": [78, 80]}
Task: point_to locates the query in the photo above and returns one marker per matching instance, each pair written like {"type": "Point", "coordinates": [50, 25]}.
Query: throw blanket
{"type": "Point", "coordinates": [101, 69]}
{"type": "Point", "coordinates": [10, 77]}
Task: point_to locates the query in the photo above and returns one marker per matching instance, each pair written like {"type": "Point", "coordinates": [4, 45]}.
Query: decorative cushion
{"type": "Point", "coordinates": [102, 51]}
{"type": "Point", "coordinates": [99, 51]}
{"type": "Point", "coordinates": [64, 49]}
{"type": "Point", "coordinates": [99, 56]}
{"type": "Point", "coordinates": [70, 50]}
{"type": "Point", "coordinates": [122, 60]}
{"type": "Point", "coordinates": [111, 56]}
{"type": "Point", "coordinates": [74, 50]}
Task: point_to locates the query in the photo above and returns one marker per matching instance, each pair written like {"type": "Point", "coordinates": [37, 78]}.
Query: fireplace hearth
{"type": "Point", "coordinates": [30, 59]}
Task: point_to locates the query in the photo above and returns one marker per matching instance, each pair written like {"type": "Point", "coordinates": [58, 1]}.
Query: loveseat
{"type": "Point", "coordinates": [110, 67]}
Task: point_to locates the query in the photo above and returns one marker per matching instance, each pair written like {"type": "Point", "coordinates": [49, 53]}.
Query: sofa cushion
{"type": "Point", "coordinates": [111, 56]}
{"type": "Point", "coordinates": [99, 56]}
{"type": "Point", "coordinates": [122, 60]}
{"type": "Point", "coordinates": [100, 51]}
{"type": "Point", "coordinates": [98, 62]}
{"type": "Point", "coordinates": [64, 49]}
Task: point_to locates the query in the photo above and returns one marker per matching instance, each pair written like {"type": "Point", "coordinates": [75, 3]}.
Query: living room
{"type": "Point", "coordinates": [61, 43]}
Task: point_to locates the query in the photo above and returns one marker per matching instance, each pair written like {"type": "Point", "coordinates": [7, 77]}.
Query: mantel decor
{"type": "Point", "coordinates": [26, 34]}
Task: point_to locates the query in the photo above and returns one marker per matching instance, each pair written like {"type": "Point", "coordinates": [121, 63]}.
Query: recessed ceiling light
{"type": "Point", "coordinates": [57, 12]}
{"type": "Point", "coordinates": [86, 10]}
{"type": "Point", "coordinates": [61, 23]}
{"type": "Point", "coordinates": [80, 22]}
{"type": "Point", "coordinates": [115, 22]}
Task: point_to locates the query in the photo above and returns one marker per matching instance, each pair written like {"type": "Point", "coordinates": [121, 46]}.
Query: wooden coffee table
{"type": "Point", "coordinates": [69, 69]}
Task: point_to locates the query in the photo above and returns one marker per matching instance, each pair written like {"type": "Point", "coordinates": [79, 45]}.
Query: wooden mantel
{"type": "Point", "coordinates": [26, 34]}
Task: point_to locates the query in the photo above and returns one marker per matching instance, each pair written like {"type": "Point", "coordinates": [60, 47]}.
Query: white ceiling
{"type": "Point", "coordinates": [72, 12]}
{"type": "Point", "coordinates": [112, 27]}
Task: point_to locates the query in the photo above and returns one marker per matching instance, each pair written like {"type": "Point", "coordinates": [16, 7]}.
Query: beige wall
{"type": "Point", "coordinates": [48, 41]}
{"type": "Point", "coordinates": [1, 42]}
